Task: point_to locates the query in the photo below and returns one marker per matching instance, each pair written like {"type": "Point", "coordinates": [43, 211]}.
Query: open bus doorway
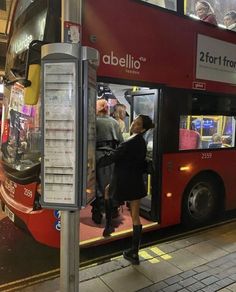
{"type": "Point", "coordinates": [145, 101]}
{"type": "Point", "coordinates": [137, 101]}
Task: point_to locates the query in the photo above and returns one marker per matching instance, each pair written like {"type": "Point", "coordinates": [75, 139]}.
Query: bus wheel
{"type": "Point", "coordinates": [200, 201]}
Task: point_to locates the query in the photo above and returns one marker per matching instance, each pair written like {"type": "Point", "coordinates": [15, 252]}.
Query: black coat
{"type": "Point", "coordinates": [129, 165]}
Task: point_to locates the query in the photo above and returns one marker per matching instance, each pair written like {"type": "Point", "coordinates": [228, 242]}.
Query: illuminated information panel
{"type": "Point", "coordinates": [59, 133]}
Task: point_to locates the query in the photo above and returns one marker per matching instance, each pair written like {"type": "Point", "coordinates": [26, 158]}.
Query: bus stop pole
{"type": "Point", "coordinates": [69, 246]}
{"type": "Point", "coordinates": [69, 252]}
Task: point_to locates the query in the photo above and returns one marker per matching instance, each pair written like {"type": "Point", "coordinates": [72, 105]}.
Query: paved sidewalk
{"type": "Point", "coordinates": [205, 261]}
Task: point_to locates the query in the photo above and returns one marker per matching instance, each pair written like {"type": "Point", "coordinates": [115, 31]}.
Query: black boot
{"type": "Point", "coordinates": [132, 254]}
{"type": "Point", "coordinates": [97, 217]}
{"type": "Point", "coordinates": [97, 211]}
{"type": "Point", "coordinates": [108, 211]}
{"type": "Point", "coordinates": [115, 208]}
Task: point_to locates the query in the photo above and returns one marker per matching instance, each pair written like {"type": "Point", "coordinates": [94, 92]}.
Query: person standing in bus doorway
{"type": "Point", "coordinates": [108, 137]}
{"type": "Point", "coordinates": [127, 183]}
{"type": "Point", "coordinates": [205, 12]}
{"type": "Point", "coordinates": [230, 20]}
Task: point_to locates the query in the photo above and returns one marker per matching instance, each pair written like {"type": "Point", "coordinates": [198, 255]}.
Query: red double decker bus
{"type": "Point", "coordinates": [157, 60]}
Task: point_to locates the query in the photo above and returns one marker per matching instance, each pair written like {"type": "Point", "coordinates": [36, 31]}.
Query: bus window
{"type": "Point", "coordinates": [220, 9]}
{"type": "Point", "coordinates": [203, 132]}
{"type": "Point", "coordinates": [144, 104]}
{"type": "Point", "coordinates": [168, 4]}
{"type": "Point", "coordinates": [230, 20]}
{"type": "Point", "coordinates": [21, 148]}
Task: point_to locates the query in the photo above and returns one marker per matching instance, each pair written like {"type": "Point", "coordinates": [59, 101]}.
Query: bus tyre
{"type": "Point", "coordinates": [201, 201]}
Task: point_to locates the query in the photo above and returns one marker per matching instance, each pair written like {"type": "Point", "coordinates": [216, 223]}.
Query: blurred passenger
{"type": "Point", "coordinates": [216, 138]}
{"type": "Point", "coordinates": [127, 182]}
{"type": "Point", "coordinates": [230, 20]}
{"type": "Point", "coordinates": [108, 137]}
{"type": "Point", "coordinates": [227, 141]}
{"type": "Point", "coordinates": [216, 141]}
{"type": "Point", "coordinates": [119, 114]}
{"type": "Point", "coordinates": [205, 12]}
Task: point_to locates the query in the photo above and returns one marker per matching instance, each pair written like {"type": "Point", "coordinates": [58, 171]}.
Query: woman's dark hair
{"type": "Point", "coordinates": [147, 122]}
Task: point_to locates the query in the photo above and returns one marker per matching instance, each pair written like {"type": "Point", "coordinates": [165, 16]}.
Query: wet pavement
{"type": "Point", "coordinates": [21, 256]}
{"type": "Point", "coordinates": [203, 261]}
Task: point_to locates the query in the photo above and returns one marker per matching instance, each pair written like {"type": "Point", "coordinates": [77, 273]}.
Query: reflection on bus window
{"type": "Point", "coordinates": [204, 132]}
{"type": "Point", "coordinates": [144, 105]}
{"type": "Point", "coordinates": [21, 135]}
{"type": "Point", "coordinates": [148, 137]}
{"type": "Point", "coordinates": [168, 4]}
{"type": "Point", "coordinates": [21, 7]}
{"type": "Point", "coordinates": [220, 9]}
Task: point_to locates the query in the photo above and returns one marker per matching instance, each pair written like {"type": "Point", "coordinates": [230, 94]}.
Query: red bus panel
{"type": "Point", "coordinates": [143, 43]}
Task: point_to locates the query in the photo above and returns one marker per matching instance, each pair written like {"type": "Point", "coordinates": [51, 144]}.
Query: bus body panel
{"type": "Point", "coordinates": [175, 181]}
{"type": "Point", "coordinates": [43, 224]}
{"type": "Point", "coordinates": [22, 194]}
{"type": "Point", "coordinates": [147, 44]}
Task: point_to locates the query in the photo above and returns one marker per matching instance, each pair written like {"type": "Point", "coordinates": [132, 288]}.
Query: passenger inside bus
{"type": "Point", "coordinates": [230, 20]}
{"type": "Point", "coordinates": [227, 141]}
{"type": "Point", "coordinates": [119, 114]}
{"type": "Point", "coordinates": [205, 12]}
{"type": "Point", "coordinates": [220, 11]}
{"type": "Point", "coordinates": [216, 141]}
{"type": "Point", "coordinates": [108, 136]}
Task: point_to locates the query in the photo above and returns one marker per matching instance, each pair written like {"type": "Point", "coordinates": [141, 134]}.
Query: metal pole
{"type": "Point", "coordinates": [69, 252]}
{"type": "Point", "coordinates": [71, 12]}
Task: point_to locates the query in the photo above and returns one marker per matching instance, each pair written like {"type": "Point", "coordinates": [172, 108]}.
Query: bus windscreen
{"type": "Point", "coordinates": [27, 29]}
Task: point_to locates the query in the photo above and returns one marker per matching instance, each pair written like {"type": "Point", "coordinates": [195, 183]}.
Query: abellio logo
{"type": "Point", "coordinates": [128, 61]}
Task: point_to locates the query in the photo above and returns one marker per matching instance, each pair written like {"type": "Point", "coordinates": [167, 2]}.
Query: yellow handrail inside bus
{"type": "Point", "coordinates": [31, 93]}
{"type": "Point", "coordinates": [149, 185]}
{"type": "Point", "coordinates": [223, 125]}
{"type": "Point", "coordinates": [188, 123]}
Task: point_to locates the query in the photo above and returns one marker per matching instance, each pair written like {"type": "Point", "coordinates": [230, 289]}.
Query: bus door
{"type": "Point", "coordinates": [146, 102]}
